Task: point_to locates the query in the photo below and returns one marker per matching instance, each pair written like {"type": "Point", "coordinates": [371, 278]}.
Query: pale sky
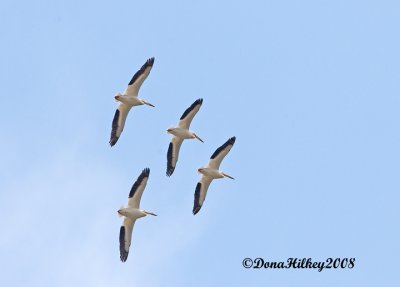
{"type": "Point", "coordinates": [309, 88]}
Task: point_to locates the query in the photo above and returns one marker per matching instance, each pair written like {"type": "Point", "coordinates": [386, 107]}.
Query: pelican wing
{"type": "Point", "coordinates": [138, 79]}
{"type": "Point", "coordinates": [172, 154]}
{"type": "Point", "coordinates": [125, 236]}
{"type": "Point", "coordinates": [200, 193]}
{"type": "Point", "coordinates": [220, 153]}
{"type": "Point", "coordinates": [118, 122]}
{"type": "Point", "coordinates": [189, 114]}
{"type": "Point", "coordinates": [137, 189]}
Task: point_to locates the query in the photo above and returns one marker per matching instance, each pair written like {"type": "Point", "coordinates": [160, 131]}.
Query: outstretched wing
{"type": "Point", "coordinates": [118, 122]}
{"type": "Point", "coordinates": [220, 153]}
{"type": "Point", "coordinates": [125, 236]}
{"type": "Point", "coordinates": [200, 193]}
{"type": "Point", "coordinates": [137, 189]}
{"type": "Point", "coordinates": [172, 154]}
{"type": "Point", "coordinates": [189, 114]}
{"type": "Point", "coordinates": [138, 79]}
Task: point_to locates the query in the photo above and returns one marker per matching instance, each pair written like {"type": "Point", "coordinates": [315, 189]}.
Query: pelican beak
{"type": "Point", "coordinates": [169, 130]}
{"type": "Point", "coordinates": [146, 103]}
{"type": "Point", "coordinates": [197, 137]}
{"type": "Point", "coordinates": [150, 213]}
{"type": "Point", "coordinates": [116, 98]}
{"type": "Point", "coordinates": [226, 175]}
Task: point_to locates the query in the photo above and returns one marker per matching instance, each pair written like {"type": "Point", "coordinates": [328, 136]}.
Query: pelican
{"type": "Point", "coordinates": [180, 133]}
{"type": "Point", "coordinates": [131, 213]}
{"type": "Point", "coordinates": [129, 99]}
{"type": "Point", "coordinates": [211, 172]}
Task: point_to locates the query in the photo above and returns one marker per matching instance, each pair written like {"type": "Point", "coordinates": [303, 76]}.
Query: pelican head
{"type": "Point", "coordinates": [117, 96]}
{"type": "Point", "coordinates": [121, 211]}
{"type": "Point", "coordinates": [200, 170]}
{"type": "Point", "coordinates": [170, 130]}
{"type": "Point", "coordinates": [197, 137]}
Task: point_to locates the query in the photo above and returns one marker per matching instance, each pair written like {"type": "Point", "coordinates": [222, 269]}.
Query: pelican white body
{"type": "Point", "coordinates": [132, 213]}
{"type": "Point", "coordinates": [181, 133]}
{"type": "Point", "coordinates": [211, 172]}
{"type": "Point", "coordinates": [130, 101]}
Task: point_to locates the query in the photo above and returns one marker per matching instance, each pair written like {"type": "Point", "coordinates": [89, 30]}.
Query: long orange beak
{"type": "Point", "coordinates": [146, 103]}
{"type": "Point", "coordinates": [197, 137]}
{"type": "Point", "coordinates": [224, 174]}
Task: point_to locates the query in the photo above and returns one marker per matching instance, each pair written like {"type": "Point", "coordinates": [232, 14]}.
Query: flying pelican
{"type": "Point", "coordinates": [180, 133]}
{"type": "Point", "coordinates": [211, 172]}
{"type": "Point", "coordinates": [129, 99]}
{"type": "Point", "coordinates": [131, 213]}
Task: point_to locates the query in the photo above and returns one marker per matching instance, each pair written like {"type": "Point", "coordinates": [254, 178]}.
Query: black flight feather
{"type": "Point", "coordinates": [197, 206]}
{"type": "Point", "coordinates": [149, 63]}
{"type": "Point", "coordinates": [170, 168]}
{"type": "Point", "coordinates": [231, 141]}
{"type": "Point", "coordinates": [114, 138]}
{"type": "Point", "coordinates": [145, 173]}
{"type": "Point", "coordinates": [189, 109]}
{"type": "Point", "coordinates": [123, 253]}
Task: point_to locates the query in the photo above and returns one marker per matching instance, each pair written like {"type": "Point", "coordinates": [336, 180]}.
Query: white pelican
{"type": "Point", "coordinates": [129, 99]}
{"type": "Point", "coordinates": [131, 213]}
{"type": "Point", "coordinates": [211, 172]}
{"type": "Point", "coordinates": [180, 133]}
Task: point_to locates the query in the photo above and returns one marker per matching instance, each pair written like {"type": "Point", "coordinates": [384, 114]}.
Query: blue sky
{"type": "Point", "coordinates": [309, 88]}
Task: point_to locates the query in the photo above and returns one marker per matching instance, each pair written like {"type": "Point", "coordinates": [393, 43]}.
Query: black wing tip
{"type": "Point", "coordinates": [230, 141]}
{"type": "Point", "coordinates": [192, 106]}
{"type": "Point", "coordinates": [114, 127]}
{"type": "Point", "coordinates": [146, 172]}
{"type": "Point", "coordinates": [113, 138]}
{"type": "Point", "coordinates": [113, 141]}
{"type": "Point", "coordinates": [197, 205]}
{"type": "Point", "coordinates": [196, 209]}
{"type": "Point", "coordinates": [123, 254]}
{"type": "Point", "coordinates": [123, 258]}
{"type": "Point", "coordinates": [150, 61]}
{"type": "Point", "coordinates": [170, 170]}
